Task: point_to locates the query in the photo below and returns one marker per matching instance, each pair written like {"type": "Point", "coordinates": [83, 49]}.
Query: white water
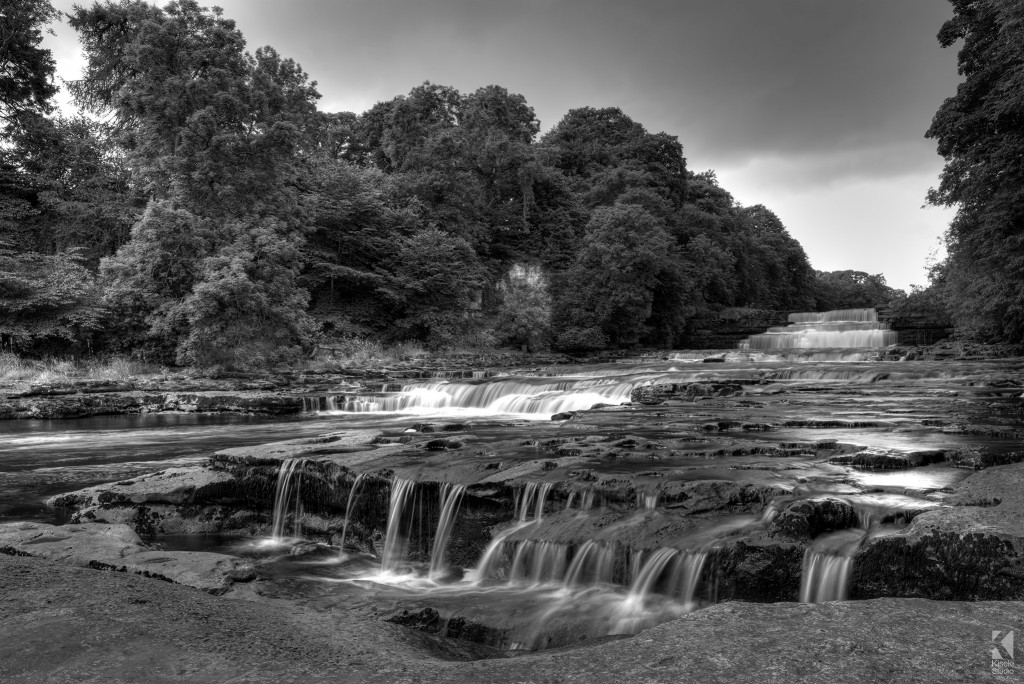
{"type": "Point", "coordinates": [451, 496]}
{"type": "Point", "coordinates": [848, 328]}
{"type": "Point", "coordinates": [825, 575]}
{"type": "Point", "coordinates": [287, 484]}
{"type": "Point", "coordinates": [348, 508]}
{"type": "Point", "coordinates": [396, 540]}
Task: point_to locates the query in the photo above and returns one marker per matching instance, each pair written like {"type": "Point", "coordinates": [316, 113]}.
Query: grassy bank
{"type": "Point", "coordinates": [17, 371]}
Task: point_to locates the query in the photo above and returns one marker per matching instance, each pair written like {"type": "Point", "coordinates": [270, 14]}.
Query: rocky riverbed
{"type": "Point", "coordinates": [662, 494]}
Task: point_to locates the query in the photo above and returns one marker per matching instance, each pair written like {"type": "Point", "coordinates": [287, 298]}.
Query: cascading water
{"type": "Point", "coordinates": [451, 496]}
{"type": "Point", "coordinates": [847, 329]}
{"type": "Point", "coordinates": [647, 501]}
{"type": "Point", "coordinates": [534, 495]}
{"type": "Point", "coordinates": [827, 564]}
{"type": "Point", "coordinates": [593, 563]}
{"type": "Point", "coordinates": [539, 561]}
{"type": "Point", "coordinates": [680, 583]}
{"type": "Point", "coordinates": [396, 539]}
{"type": "Point", "coordinates": [288, 483]}
{"type": "Point", "coordinates": [348, 508]}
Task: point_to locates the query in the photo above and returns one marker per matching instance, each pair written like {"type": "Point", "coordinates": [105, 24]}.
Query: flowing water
{"type": "Point", "coordinates": [792, 410]}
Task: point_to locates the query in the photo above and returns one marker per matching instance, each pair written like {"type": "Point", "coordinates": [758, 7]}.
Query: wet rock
{"type": "Point", "coordinates": [971, 549]}
{"type": "Point", "coordinates": [877, 459]}
{"type": "Point", "coordinates": [809, 518]}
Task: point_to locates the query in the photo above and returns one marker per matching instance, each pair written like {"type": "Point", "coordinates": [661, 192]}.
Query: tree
{"type": "Point", "coordinates": [26, 70]}
{"type": "Point", "coordinates": [205, 124]}
{"type": "Point", "coordinates": [587, 142]}
{"type": "Point", "coordinates": [852, 290]}
{"type": "Point", "coordinates": [433, 282]}
{"type": "Point", "coordinates": [45, 298]}
{"type": "Point", "coordinates": [609, 290]}
{"type": "Point", "coordinates": [978, 132]}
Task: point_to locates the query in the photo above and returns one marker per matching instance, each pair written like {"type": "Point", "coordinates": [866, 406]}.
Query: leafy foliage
{"type": "Point", "coordinates": [978, 133]}
{"type": "Point", "coordinates": [232, 224]}
{"type": "Point", "coordinates": [45, 298]}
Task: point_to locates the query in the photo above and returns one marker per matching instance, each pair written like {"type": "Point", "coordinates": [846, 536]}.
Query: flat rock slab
{"type": "Point", "coordinates": [60, 623]}
{"type": "Point", "coordinates": [119, 548]}
{"type": "Point", "coordinates": [171, 486]}
{"type": "Point", "coordinates": [71, 544]}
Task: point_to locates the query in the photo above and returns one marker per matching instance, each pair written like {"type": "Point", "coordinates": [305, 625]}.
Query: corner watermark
{"type": "Point", "coordinates": [1002, 652]}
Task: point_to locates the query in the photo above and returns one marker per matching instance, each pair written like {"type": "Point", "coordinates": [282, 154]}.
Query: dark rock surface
{"type": "Point", "coordinates": [60, 623]}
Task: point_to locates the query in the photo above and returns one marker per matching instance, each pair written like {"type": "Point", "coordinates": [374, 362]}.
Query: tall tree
{"type": "Point", "coordinates": [214, 136]}
{"type": "Point", "coordinates": [980, 133]}
{"type": "Point", "coordinates": [26, 68]}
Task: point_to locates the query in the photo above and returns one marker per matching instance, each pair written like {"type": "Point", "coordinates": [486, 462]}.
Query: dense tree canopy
{"type": "Point", "coordinates": [980, 133]}
{"type": "Point", "coordinates": [216, 217]}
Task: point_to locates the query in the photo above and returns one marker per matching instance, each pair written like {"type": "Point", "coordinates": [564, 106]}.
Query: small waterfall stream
{"type": "Point", "coordinates": [827, 564]}
{"type": "Point", "coordinates": [352, 493]}
{"type": "Point", "coordinates": [451, 496]}
{"type": "Point", "coordinates": [289, 483]}
{"type": "Point", "coordinates": [396, 540]}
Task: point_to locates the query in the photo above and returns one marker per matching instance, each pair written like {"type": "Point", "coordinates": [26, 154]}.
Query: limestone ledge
{"type": "Point", "coordinates": [119, 548]}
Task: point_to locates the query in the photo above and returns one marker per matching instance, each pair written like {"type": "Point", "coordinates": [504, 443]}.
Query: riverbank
{"type": "Point", "coordinates": [98, 390]}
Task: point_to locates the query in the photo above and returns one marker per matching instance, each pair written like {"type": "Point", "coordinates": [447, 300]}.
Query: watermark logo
{"type": "Point", "coordinates": [1002, 651]}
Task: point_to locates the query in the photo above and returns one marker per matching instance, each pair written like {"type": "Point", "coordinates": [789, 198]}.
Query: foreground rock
{"type": "Point", "coordinates": [119, 548]}
{"type": "Point", "coordinates": [59, 623]}
{"type": "Point", "coordinates": [971, 548]}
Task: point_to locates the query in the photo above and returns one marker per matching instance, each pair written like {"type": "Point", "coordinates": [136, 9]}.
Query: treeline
{"type": "Point", "coordinates": [202, 210]}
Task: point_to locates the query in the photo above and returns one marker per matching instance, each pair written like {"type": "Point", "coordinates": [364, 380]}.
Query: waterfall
{"type": "Point", "coordinates": [287, 484]}
{"type": "Point", "coordinates": [649, 573]}
{"type": "Point", "coordinates": [534, 495]}
{"type": "Point", "coordinates": [636, 561]}
{"type": "Point", "coordinates": [451, 496]}
{"type": "Point", "coordinates": [396, 540]}
{"type": "Point", "coordinates": [686, 575]}
{"type": "Point", "coordinates": [539, 561]}
{"type": "Point", "coordinates": [827, 564]}
{"type": "Point", "coordinates": [647, 501]}
{"type": "Point", "coordinates": [847, 329]}
{"type": "Point", "coordinates": [681, 582]}
{"type": "Point", "coordinates": [490, 561]}
{"type": "Point", "coordinates": [594, 561]}
{"type": "Point", "coordinates": [348, 508]}
{"type": "Point", "coordinates": [824, 577]}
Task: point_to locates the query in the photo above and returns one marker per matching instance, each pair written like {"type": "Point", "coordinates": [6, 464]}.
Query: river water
{"type": "Point", "coordinates": [889, 407]}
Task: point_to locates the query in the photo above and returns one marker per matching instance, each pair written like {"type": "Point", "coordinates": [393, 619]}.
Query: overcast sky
{"type": "Point", "coordinates": [814, 108]}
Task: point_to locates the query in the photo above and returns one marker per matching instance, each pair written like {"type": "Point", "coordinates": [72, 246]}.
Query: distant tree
{"type": "Point", "coordinates": [978, 132]}
{"type": "Point", "coordinates": [851, 290]}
